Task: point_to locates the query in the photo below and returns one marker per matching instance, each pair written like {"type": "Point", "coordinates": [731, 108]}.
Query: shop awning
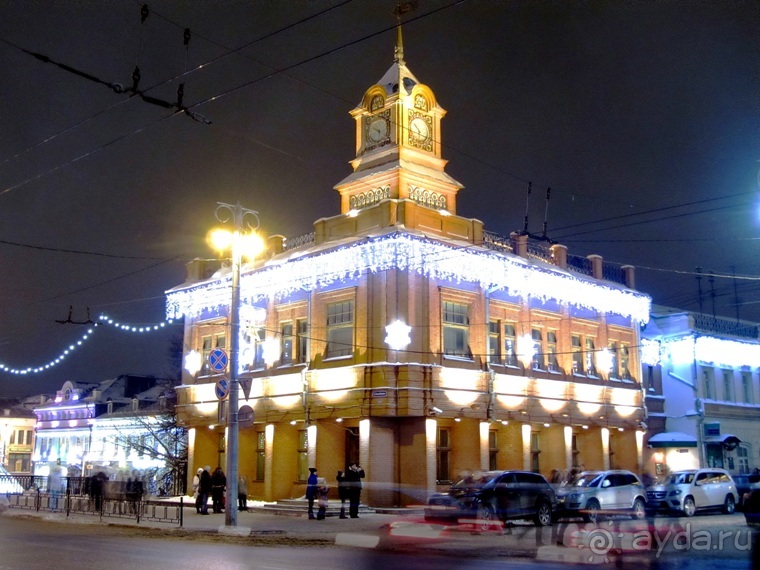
{"type": "Point", "coordinates": [672, 439]}
{"type": "Point", "coordinates": [726, 438]}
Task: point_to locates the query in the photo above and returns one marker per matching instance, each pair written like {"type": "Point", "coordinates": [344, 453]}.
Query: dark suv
{"type": "Point", "coordinates": [489, 496]}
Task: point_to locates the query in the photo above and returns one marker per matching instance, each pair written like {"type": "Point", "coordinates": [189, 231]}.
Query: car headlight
{"type": "Point", "coordinates": [675, 493]}
{"type": "Point", "coordinates": [575, 497]}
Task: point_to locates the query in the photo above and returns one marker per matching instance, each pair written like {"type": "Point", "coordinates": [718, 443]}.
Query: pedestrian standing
{"type": "Point", "coordinates": [197, 489]}
{"type": "Point", "coordinates": [218, 486]}
{"type": "Point", "coordinates": [354, 476]}
{"type": "Point", "coordinates": [205, 489]}
{"type": "Point", "coordinates": [311, 490]}
{"type": "Point", "coordinates": [323, 489]}
{"type": "Point", "coordinates": [242, 493]}
{"type": "Point", "coordinates": [342, 492]}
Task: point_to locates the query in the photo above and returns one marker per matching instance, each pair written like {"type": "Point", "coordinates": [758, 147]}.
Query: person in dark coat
{"type": "Point", "coordinates": [218, 486]}
{"type": "Point", "coordinates": [204, 489]}
{"type": "Point", "coordinates": [354, 476]}
{"type": "Point", "coordinates": [311, 490]}
{"type": "Point", "coordinates": [97, 488]}
{"type": "Point", "coordinates": [342, 492]}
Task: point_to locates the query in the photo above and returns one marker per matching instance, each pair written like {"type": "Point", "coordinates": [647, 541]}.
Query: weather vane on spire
{"type": "Point", "coordinates": [401, 8]}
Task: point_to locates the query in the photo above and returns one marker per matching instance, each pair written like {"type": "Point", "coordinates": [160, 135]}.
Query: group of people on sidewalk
{"type": "Point", "coordinates": [349, 489]}
{"type": "Point", "coordinates": [214, 484]}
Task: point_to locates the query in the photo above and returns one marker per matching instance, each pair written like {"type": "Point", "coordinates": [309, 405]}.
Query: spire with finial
{"type": "Point", "coordinates": [401, 8]}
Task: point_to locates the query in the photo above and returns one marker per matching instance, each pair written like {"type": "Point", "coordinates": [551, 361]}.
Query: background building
{"type": "Point", "coordinates": [409, 338]}
{"type": "Point", "coordinates": [702, 386]}
{"type": "Point", "coordinates": [16, 436]}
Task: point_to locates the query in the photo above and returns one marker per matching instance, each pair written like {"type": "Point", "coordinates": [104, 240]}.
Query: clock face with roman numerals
{"type": "Point", "coordinates": [420, 131]}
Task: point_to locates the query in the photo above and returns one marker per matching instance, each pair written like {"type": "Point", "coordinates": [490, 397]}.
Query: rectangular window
{"type": "Point", "coordinates": [456, 326]}
{"type": "Point", "coordinates": [286, 347]}
{"type": "Point", "coordinates": [535, 452]}
{"type": "Point", "coordinates": [510, 345]}
{"type": "Point", "coordinates": [577, 347]}
{"type": "Point", "coordinates": [29, 435]}
{"type": "Point", "coordinates": [742, 454]}
{"type": "Point", "coordinates": [493, 450]}
{"type": "Point", "coordinates": [728, 380]}
{"type": "Point", "coordinates": [590, 357]}
{"type": "Point", "coordinates": [209, 343]}
{"type": "Point", "coordinates": [614, 360]}
{"type": "Point", "coordinates": [340, 329]}
{"type": "Point", "coordinates": [747, 387]}
{"type": "Point", "coordinates": [538, 349]}
{"type": "Point", "coordinates": [708, 390]}
{"type": "Point", "coordinates": [625, 362]}
{"type": "Point", "coordinates": [551, 351]}
{"type": "Point", "coordinates": [494, 328]}
{"type": "Point", "coordinates": [303, 455]}
{"type": "Point", "coordinates": [442, 452]}
{"type": "Point", "coordinates": [260, 455]}
{"type": "Point", "coordinates": [303, 341]}
{"type": "Point", "coordinates": [13, 438]}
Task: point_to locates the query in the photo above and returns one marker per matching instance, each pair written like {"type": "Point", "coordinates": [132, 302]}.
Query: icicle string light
{"type": "Point", "coordinates": [102, 320]}
{"type": "Point", "coordinates": [514, 275]}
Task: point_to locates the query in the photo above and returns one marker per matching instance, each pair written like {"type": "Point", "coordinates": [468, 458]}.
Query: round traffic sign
{"type": "Point", "coordinates": [222, 388]}
{"type": "Point", "coordinates": [217, 360]}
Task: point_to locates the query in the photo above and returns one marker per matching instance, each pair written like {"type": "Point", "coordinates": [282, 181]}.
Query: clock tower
{"type": "Point", "coordinates": [398, 145]}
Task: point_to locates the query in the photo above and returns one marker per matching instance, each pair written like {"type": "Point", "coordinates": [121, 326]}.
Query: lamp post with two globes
{"type": "Point", "coordinates": [240, 244]}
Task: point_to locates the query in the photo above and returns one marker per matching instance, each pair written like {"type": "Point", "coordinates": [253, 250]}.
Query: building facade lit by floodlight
{"type": "Point", "coordinates": [518, 354]}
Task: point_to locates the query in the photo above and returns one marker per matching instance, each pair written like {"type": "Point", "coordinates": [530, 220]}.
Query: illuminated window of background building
{"type": "Point", "coordinates": [442, 454]}
{"type": "Point", "coordinates": [29, 435]}
{"type": "Point", "coordinates": [747, 387]}
{"type": "Point", "coordinates": [493, 449]}
{"type": "Point", "coordinates": [303, 455]}
{"type": "Point", "coordinates": [340, 329]}
{"type": "Point", "coordinates": [456, 329]}
{"type": "Point", "coordinates": [614, 359]}
{"type": "Point", "coordinates": [494, 342]}
{"type": "Point", "coordinates": [728, 380]}
{"type": "Point", "coordinates": [625, 360]}
{"type": "Point", "coordinates": [13, 438]}
{"type": "Point", "coordinates": [535, 452]}
{"type": "Point", "coordinates": [259, 337]}
{"type": "Point", "coordinates": [510, 345]}
{"type": "Point", "coordinates": [538, 349]}
{"type": "Point", "coordinates": [551, 351]}
{"type": "Point", "coordinates": [303, 341]}
{"type": "Point", "coordinates": [708, 389]}
{"type": "Point", "coordinates": [209, 343]}
{"type": "Point", "coordinates": [260, 455]}
{"type": "Point", "coordinates": [590, 357]}
{"type": "Point", "coordinates": [286, 334]}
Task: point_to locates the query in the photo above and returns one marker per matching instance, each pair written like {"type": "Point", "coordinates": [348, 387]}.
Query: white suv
{"type": "Point", "coordinates": [691, 490]}
{"type": "Point", "coordinates": [592, 493]}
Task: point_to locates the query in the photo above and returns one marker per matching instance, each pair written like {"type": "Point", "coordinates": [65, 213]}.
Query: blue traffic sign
{"type": "Point", "coordinates": [222, 388]}
{"type": "Point", "coordinates": [217, 360]}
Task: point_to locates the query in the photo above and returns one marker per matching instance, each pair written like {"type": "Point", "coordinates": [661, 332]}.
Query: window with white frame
{"type": "Point", "coordinates": [340, 329]}
{"type": "Point", "coordinates": [590, 356]}
{"type": "Point", "coordinates": [625, 361]}
{"type": "Point", "coordinates": [742, 456]}
{"type": "Point", "coordinates": [747, 387]}
{"type": "Point", "coordinates": [728, 386]}
{"type": "Point", "coordinates": [577, 351]}
{"type": "Point", "coordinates": [538, 349]}
{"type": "Point", "coordinates": [494, 342]}
{"type": "Point", "coordinates": [456, 329]}
{"type": "Point", "coordinates": [286, 343]}
{"type": "Point", "coordinates": [551, 351]}
{"type": "Point", "coordinates": [302, 327]}
{"type": "Point", "coordinates": [510, 345]}
{"type": "Point", "coordinates": [708, 387]}
{"type": "Point", "coordinates": [614, 372]}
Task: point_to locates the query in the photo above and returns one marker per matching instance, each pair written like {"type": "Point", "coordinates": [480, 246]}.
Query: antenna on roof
{"type": "Point", "coordinates": [527, 208]}
{"type": "Point", "coordinates": [546, 213]}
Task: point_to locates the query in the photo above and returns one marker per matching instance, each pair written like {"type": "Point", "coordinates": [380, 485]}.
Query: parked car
{"type": "Point", "coordinates": [8, 483]}
{"type": "Point", "coordinates": [752, 507]}
{"type": "Point", "coordinates": [693, 490]}
{"type": "Point", "coordinates": [592, 493]}
{"type": "Point", "coordinates": [744, 484]}
{"type": "Point", "coordinates": [496, 496]}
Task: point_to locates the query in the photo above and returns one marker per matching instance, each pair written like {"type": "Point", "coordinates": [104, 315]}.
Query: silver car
{"type": "Point", "coordinates": [691, 490]}
{"type": "Point", "coordinates": [592, 493]}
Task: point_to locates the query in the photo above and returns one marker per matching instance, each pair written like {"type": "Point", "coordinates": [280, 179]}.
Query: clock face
{"type": "Point", "coordinates": [419, 130]}
{"type": "Point", "coordinates": [378, 130]}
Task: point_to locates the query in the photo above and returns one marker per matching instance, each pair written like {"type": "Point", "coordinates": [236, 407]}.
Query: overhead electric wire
{"type": "Point", "coordinates": [80, 252]}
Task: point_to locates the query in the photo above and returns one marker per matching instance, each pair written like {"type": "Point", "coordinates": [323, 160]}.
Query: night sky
{"type": "Point", "coordinates": [642, 118]}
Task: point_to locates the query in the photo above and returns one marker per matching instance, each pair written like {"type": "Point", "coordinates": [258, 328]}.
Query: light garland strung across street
{"type": "Point", "coordinates": [404, 252]}
{"type": "Point", "coordinates": [102, 320]}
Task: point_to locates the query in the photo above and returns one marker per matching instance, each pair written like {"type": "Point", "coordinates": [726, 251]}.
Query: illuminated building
{"type": "Point", "coordinates": [409, 338]}
{"type": "Point", "coordinates": [701, 380]}
{"type": "Point", "coordinates": [16, 436]}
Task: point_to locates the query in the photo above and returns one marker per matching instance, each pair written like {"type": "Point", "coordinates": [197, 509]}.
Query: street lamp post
{"type": "Point", "coordinates": [238, 214]}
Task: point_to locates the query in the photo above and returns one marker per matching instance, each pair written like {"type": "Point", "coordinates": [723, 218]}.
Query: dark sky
{"type": "Point", "coordinates": [642, 117]}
